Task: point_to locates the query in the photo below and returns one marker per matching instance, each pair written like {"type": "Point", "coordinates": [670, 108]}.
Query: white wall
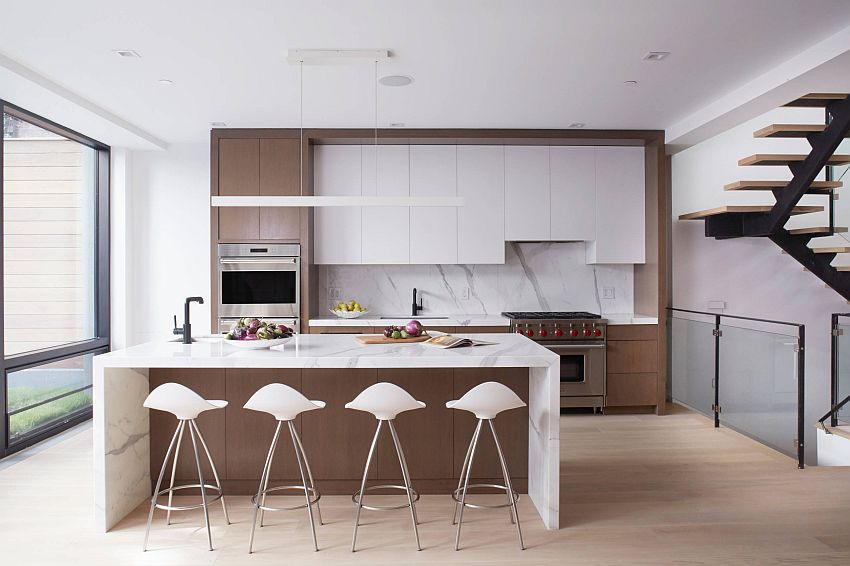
{"type": "Point", "coordinates": [750, 274]}
{"type": "Point", "coordinates": [167, 240]}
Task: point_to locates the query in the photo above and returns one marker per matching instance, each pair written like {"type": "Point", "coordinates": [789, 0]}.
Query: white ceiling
{"type": "Point", "coordinates": [475, 63]}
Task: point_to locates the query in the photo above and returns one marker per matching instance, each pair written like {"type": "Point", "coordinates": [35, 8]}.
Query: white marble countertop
{"type": "Point", "coordinates": [471, 320]}
{"type": "Point", "coordinates": [333, 351]}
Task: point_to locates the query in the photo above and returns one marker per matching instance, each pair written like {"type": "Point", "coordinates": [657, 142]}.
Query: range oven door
{"type": "Point", "coordinates": [582, 369]}
{"type": "Point", "coordinates": [266, 287]}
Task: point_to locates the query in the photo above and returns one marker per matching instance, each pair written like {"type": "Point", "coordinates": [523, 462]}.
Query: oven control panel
{"type": "Point", "coordinates": [543, 330]}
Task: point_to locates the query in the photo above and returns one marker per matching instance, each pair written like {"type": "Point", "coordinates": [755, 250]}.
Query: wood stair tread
{"type": "Point", "coordinates": [787, 159]}
{"type": "Point", "coordinates": [832, 250]}
{"type": "Point", "coordinates": [815, 187]}
{"type": "Point", "coordinates": [817, 230]}
{"type": "Point", "coordinates": [816, 99]}
{"type": "Point", "coordinates": [790, 130]}
{"type": "Point", "coordinates": [745, 210]}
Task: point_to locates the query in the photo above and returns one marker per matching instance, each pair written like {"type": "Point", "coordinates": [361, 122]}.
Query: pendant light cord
{"type": "Point", "coordinates": [301, 124]}
{"type": "Point", "coordinates": [376, 127]}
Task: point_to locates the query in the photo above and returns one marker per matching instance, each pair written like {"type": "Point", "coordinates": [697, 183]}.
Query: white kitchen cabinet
{"type": "Point", "coordinates": [620, 207]}
{"type": "Point", "coordinates": [527, 193]}
{"type": "Point", "coordinates": [337, 230]}
{"type": "Point", "coordinates": [573, 196]}
{"type": "Point", "coordinates": [480, 221]}
{"type": "Point", "coordinates": [433, 229]}
{"type": "Point", "coordinates": [385, 232]}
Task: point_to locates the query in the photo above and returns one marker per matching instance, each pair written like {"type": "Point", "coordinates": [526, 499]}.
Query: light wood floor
{"type": "Point", "coordinates": [635, 490]}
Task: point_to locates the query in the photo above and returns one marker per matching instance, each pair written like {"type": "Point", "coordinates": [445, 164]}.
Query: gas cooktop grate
{"type": "Point", "coordinates": [538, 315]}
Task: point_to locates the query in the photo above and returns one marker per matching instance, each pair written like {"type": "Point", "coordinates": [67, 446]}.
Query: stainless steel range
{"type": "Point", "coordinates": [579, 338]}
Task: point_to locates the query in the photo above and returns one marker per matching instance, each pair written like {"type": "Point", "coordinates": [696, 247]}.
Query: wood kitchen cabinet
{"type": "Point", "coordinates": [620, 205]}
{"type": "Point", "coordinates": [632, 366]}
{"type": "Point", "coordinates": [480, 221]}
{"type": "Point", "coordinates": [527, 195]}
{"type": "Point", "coordinates": [252, 167]}
{"type": "Point", "coordinates": [338, 229]}
{"type": "Point", "coordinates": [433, 229]}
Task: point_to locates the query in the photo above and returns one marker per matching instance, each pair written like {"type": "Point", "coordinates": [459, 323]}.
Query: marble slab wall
{"type": "Point", "coordinates": [545, 276]}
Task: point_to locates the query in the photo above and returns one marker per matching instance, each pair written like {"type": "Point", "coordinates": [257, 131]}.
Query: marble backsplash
{"type": "Point", "coordinates": [536, 276]}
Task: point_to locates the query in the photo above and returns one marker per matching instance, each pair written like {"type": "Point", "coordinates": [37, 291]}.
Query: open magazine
{"type": "Point", "coordinates": [449, 341]}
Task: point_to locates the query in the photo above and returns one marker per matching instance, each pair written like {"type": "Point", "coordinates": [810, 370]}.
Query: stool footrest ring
{"type": "Point", "coordinates": [456, 495]}
{"type": "Point", "coordinates": [313, 492]}
{"type": "Point", "coordinates": [356, 498]}
{"type": "Point", "coordinates": [218, 495]}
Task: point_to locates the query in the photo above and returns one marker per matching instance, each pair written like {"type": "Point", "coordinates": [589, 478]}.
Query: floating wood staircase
{"type": "Point", "coordinates": [769, 221]}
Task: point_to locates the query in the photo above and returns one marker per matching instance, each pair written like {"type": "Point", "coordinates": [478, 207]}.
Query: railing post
{"type": "Point", "coordinates": [801, 396]}
{"type": "Point", "coordinates": [833, 360]}
{"type": "Point", "coordinates": [717, 371]}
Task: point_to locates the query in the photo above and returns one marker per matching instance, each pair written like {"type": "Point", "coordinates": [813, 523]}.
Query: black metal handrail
{"type": "Point", "coordinates": [801, 370]}
{"type": "Point", "coordinates": [833, 412]}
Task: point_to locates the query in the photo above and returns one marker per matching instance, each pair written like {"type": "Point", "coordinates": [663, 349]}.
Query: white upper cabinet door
{"type": "Point", "coordinates": [480, 221]}
{"type": "Point", "coordinates": [337, 231]}
{"type": "Point", "coordinates": [620, 206]}
{"type": "Point", "coordinates": [386, 229]}
{"type": "Point", "coordinates": [573, 210]}
{"type": "Point", "coordinates": [433, 229]}
{"type": "Point", "coordinates": [526, 193]}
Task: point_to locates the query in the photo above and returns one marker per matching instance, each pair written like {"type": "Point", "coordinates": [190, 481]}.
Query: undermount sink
{"type": "Point", "coordinates": [416, 317]}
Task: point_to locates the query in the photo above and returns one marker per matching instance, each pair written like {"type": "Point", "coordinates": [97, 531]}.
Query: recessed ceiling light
{"type": "Point", "coordinates": [218, 124]}
{"type": "Point", "coordinates": [656, 55]}
{"type": "Point", "coordinates": [395, 80]}
{"type": "Point", "coordinates": [396, 124]}
{"type": "Point", "coordinates": [166, 82]}
{"type": "Point", "coordinates": [577, 125]}
{"type": "Point", "coordinates": [630, 83]}
{"type": "Point", "coordinates": [126, 53]}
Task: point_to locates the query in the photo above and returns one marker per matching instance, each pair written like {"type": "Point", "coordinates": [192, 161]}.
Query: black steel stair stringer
{"type": "Point", "coordinates": [819, 264]}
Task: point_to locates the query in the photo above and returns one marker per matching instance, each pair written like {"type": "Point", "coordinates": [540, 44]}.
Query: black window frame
{"type": "Point", "coordinates": [101, 342]}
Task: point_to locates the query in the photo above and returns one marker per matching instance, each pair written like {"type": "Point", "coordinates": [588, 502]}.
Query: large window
{"type": "Point", "coordinates": [55, 296]}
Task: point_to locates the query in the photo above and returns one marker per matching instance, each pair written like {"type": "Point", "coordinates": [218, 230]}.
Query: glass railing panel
{"type": "Point", "coordinates": [692, 363]}
{"type": "Point", "coordinates": [758, 385]}
{"type": "Point", "coordinates": [843, 354]}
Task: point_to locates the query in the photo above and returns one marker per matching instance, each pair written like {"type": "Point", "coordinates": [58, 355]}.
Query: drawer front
{"type": "Point", "coordinates": [633, 332]}
{"type": "Point", "coordinates": [632, 356]}
{"type": "Point", "coordinates": [631, 389]}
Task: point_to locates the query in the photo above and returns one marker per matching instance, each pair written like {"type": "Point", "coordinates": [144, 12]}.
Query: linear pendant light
{"type": "Point", "coordinates": [302, 201]}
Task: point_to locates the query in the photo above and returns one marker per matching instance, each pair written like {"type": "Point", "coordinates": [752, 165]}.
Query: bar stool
{"type": "Point", "coordinates": [284, 403]}
{"type": "Point", "coordinates": [486, 401]}
{"type": "Point", "coordinates": [186, 405]}
{"type": "Point", "coordinates": [385, 401]}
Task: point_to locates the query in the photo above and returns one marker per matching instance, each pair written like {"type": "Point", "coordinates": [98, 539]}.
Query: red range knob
{"type": "Point", "coordinates": [543, 332]}
{"type": "Point", "coordinates": [559, 333]}
{"type": "Point", "coordinates": [573, 332]}
{"type": "Point", "coordinates": [519, 331]}
{"type": "Point", "coordinates": [586, 332]}
{"type": "Point", "coordinates": [597, 332]}
{"type": "Point", "coordinates": [529, 333]}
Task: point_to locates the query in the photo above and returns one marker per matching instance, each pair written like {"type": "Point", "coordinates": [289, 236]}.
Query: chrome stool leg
{"type": "Point", "coordinates": [460, 479]}
{"type": "Point", "coordinates": [266, 483]}
{"type": "Point", "coordinates": [180, 426]}
{"type": "Point", "coordinates": [295, 444]}
{"type": "Point", "coordinates": [159, 483]}
{"type": "Point", "coordinates": [363, 484]}
{"type": "Point", "coordinates": [212, 465]}
{"type": "Point", "coordinates": [202, 486]}
{"type": "Point", "coordinates": [309, 475]}
{"type": "Point", "coordinates": [466, 482]}
{"type": "Point", "coordinates": [507, 477]}
{"type": "Point", "coordinates": [263, 482]}
{"type": "Point", "coordinates": [406, 477]}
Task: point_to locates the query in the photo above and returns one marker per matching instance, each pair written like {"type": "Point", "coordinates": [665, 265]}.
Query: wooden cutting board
{"type": "Point", "coordinates": [381, 339]}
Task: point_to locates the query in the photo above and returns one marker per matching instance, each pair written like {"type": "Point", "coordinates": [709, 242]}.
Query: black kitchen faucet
{"type": "Point", "coordinates": [186, 331]}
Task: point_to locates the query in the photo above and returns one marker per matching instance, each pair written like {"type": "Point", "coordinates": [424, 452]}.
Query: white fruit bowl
{"type": "Point", "coordinates": [257, 344]}
{"type": "Point", "coordinates": [349, 314]}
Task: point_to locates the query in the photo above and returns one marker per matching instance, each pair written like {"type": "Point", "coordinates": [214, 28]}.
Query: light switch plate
{"type": "Point", "coordinates": [607, 292]}
{"type": "Point", "coordinates": [334, 293]}
{"type": "Point", "coordinates": [716, 305]}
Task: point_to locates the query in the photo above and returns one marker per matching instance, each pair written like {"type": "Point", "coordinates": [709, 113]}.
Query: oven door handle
{"type": "Point", "coordinates": [225, 261]}
{"type": "Point", "coordinates": [555, 347]}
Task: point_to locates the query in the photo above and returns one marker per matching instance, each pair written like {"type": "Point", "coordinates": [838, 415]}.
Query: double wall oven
{"type": "Point", "coordinates": [259, 280]}
{"type": "Point", "coordinates": [579, 339]}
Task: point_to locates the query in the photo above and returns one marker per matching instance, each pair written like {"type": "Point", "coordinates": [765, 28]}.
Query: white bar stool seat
{"type": "Point", "coordinates": [285, 404]}
{"type": "Point", "coordinates": [186, 405]}
{"type": "Point", "coordinates": [386, 401]}
{"type": "Point", "coordinates": [485, 401]}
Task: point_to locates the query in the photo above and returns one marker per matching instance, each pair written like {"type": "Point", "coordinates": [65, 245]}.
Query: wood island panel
{"type": "Point", "coordinates": [426, 435]}
{"type": "Point", "coordinates": [209, 384]}
{"type": "Point", "coordinates": [249, 433]}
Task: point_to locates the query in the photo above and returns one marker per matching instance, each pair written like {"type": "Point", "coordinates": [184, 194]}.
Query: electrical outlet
{"type": "Point", "coordinates": [334, 293]}
{"type": "Point", "coordinates": [607, 292]}
{"type": "Point", "coordinates": [464, 294]}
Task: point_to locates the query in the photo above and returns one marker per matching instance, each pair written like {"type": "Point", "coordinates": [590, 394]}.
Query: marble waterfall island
{"type": "Point", "coordinates": [128, 440]}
